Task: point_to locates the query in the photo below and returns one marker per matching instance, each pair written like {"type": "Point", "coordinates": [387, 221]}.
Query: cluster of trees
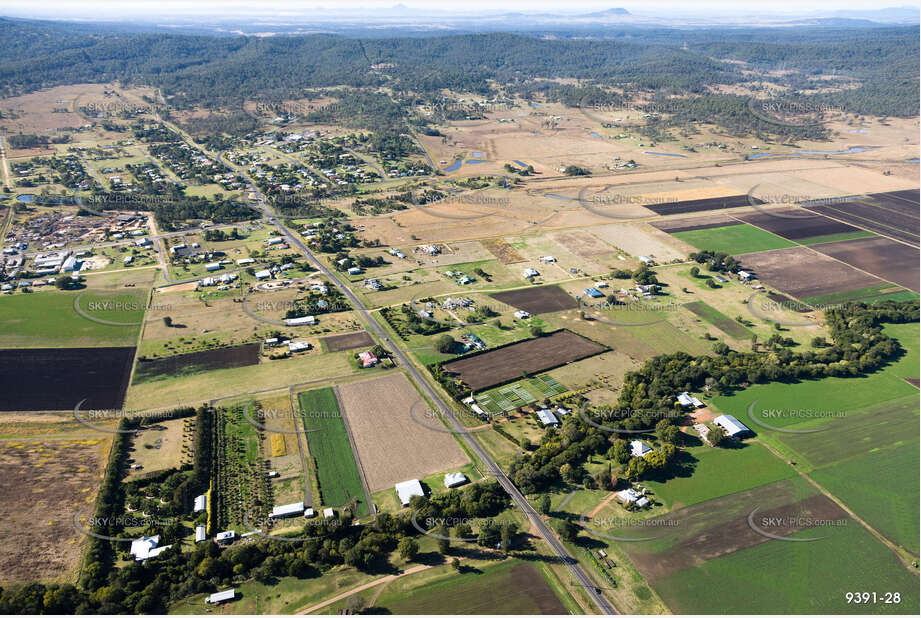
{"type": "Point", "coordinates": [716, 262]}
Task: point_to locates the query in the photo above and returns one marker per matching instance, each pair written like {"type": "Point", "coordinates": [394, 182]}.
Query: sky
{"type": "Point", "coordinates": [105, 10]}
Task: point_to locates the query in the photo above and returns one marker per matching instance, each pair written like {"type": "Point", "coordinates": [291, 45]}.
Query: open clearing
{"type": "Point", "coordinates": [196, 362]}
{"type": "Point", "coordinates": [392, 446]}
{"type": "Point", "coordinates": [804, 274]}
{"type": "Point", "coordinates": [531, 356]}
{"type": "Point", "coordinates": [543, 299]}
{"type": "Point", "coordinates": [348, 341]}
{"type": "Point", "coordinates": [59, 378]}
{"type": "Point", "coordinates": [44, 482]}
{"type": "Point", "coordinates": [711, 315]}
{"type": "Point", "coordinates": [733, 239]}
{"type": "Point", "coordinates": [502, 250]}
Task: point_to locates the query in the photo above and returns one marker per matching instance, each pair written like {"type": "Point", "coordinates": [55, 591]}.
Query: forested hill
{"type": "Point", "coordinates": [224, 70]}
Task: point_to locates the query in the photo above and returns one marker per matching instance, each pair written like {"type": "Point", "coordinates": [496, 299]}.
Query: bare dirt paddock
{"type": "Point", "coordinates": [883, 257]}
{"type": "Point", "coordinates": [530, 356]}
{"type": "Point", "coordinates": [803, 273]}
{"type": "Point", "coordinates": [348, 341]}
{"type": "Point", "coordinates": [392, 446]}
{"type": "Point", "coordinates": [544, 299]}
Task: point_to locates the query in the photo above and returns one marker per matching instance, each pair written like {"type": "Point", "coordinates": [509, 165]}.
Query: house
{"type": "Point", "coordinates": [546, 417]}
{"type": "Point", "coordinates": [600, 284]}
{"type": "Point", "coordinates": [221, 597]}
{"type": "Point", "coordinates": [464, 280]}
{"type": "Point", "coordinates": [263, 274]}
{"type": "Point", "coordinates": [407, 489]}
{"type": "Point", "coordinates": [646, 260]}
{"type": "Point", "coordinates": [594, 293]}
{"type": "Point", "coordinates": [745, 276]}
{"type": "Point", "coordinates": [301, 321]}
{"type": "Point", "coordinates": [367, 359]}
{"type": "Point", "coordinates": [200, 534]}
{"type": "Point", "coordinates": [522, 315]}
{"type": "Point", "coordinates": [225, 537]}
{"type": "Point", "coordinates": [454, 479]}
{"type": "Point", "coordinates": [731, 425]}
{"type": "Point", "coordinates": [288, 510]}
{"type": "Point", "coordinates": [687, 400]}
{"type": "Point", "coordinates": [309, 513]}
{"type": "Point", "coordinates": [354, 270]}
{"type": "Point", "coordinates": [638, 448]}
{"type": "Point", "coordinates": [628, 496]}
{"type": "Point", "coordinates": [274, 241]}
{"type": "Point", "coordinates": [298, 346]}
{"type": "Point", "coordinates": [128, 259]}
{"type": "Point", "coordinates": [142, 547]}
{"type": "Point", "coordinates": [547, 259]}
{"type": "Point", "coordinates": [208, 282]}
{"type": "Point", "coordinates": [329, 512]}
{"type": "Point", "coordinates": [201, 503]}
{"type": "Point", "coordinates": [530, 272]}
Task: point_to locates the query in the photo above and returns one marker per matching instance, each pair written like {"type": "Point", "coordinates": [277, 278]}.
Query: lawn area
{"type": "Point", "coordinates": [708, 472]}
{"type": "Point", "coordinates": [777, 577]}
{"type": "Point", "coordinates": [510, 587]}
{"type": "Point", "coordinates": [733, 239]}
{"type": "Point", "coordinates": [882, 488]}
{"type": "Point", "coordinates": [48, 318]}
{"type": "Point", "coordinates": [721, 321]}
{"type": "Point", "coordinates": [331, 450]}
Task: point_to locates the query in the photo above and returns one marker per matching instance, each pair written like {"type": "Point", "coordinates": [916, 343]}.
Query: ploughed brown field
{"type": "Point", "coordinates": [59, 378]}
{"type": "Point", "coordinates": [530, 356]}
{"type": "Point", "coordinates": [796, 224]}
{"type": "Point", "coordinates": [710, 203]}
{"type": "Point", "coordinates": [689, 224]}
{"type": "Point", "coordinates": [885, 258]}
{"type": "Point", "coordinates": [803, 273]}
{"type": "Point", "coordinates": [197, 362]}
{"type": "Point", "coordinates": [348, 341]}
{"type": "Point", "coordinates": [893, 214]}
{"type": "Point", "coordinates": [544, 299]}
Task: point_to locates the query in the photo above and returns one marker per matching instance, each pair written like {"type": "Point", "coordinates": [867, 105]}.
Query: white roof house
{"type": "Point", "coordinates": [645, 260]}
{"type": "Point", "coordinates": [407, 489]}
{"type": "Point", "coordinates": [201, 534]}
{"type": "Point", "coordinates": [546, 417]}
{"type": "Point", "coordinates": [686, 399]}
{"type": "Point", "coordinates": [307, 319]}
{"type": "Point", "coordinates": [328, 512]}
{"type": "Point", "coordinates": [225, 536]}
{"type": "Point", "coordinates": [263, 274]}
{"type": "Point", "coordinates": [141, 548]}
{"type": "Point", "coordinates": [745, 276]}
{"type": "Point", "coordinates": [638, 448]}
{"type": "Point", "coordinates": [628, 495]}
{"type": "Point", "coordinates": [220, 597]}
{"type": "Point", "coordinates": [522, 315]}
{"type": "Point", "coordinates": [275, 240]}
{"type": "Point", "coordinates": [287, 510]}
{"type": "Point", "coordinates": [298, 346]}
{"type": "Point", "coordinates": [453, 479]}
{"type": "Point", "coordinates": [201, 503]}
{"type": "Point", "coordinates": [530, 272]}
{"type": "Point", "coordinates": [731, 425]}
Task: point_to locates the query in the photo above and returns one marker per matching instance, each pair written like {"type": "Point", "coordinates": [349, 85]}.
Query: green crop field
{"type": "Point", "coordinates": [508, 397]}
{"type": "Point", "coordinates": [863, 293]}
{"type": "Point", "coordinates": [734, 239]}
{"type": "Point", "coordinates": [777, 577]}
{"type": "Point", "coordinates": [331, 450]}
{"type": "Point", "coordinates": [717, 472]}
{"type": "Point", "coordinates": [882, 488]}
{"type": "Point", "coordinates": [48, 318]}
{"type": "Point", "coordinates": [511, 587]}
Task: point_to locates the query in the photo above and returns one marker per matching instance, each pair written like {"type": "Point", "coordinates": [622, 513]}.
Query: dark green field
{"type": "Point", "coordinates": [733, 239]}
{"type": "Point", "coordinates": [331, 450]}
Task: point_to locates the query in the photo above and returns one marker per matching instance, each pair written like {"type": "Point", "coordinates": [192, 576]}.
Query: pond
{"type": "Point", "coordinates": [454, 166]}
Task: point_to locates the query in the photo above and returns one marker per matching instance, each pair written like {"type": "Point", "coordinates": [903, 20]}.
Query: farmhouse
{"type": "Point", "coordinates": [522, 315]}
{"type": "Point", "coordinates": [454, 479]}
{"type": "Point", "coordinates": [631, 496]}
{"type": "Point", "coordinates": [329, 512]}
{"type": "Point", "coordinates": [367, 359]}
{"type": "Point", "coordinates": [407, 489]}
{"type": "Point", "coordinates": [530, 272]}
{"type": "Point", "coordinates": [201, 503]}
{"type": "Point", "coordinates": [687, 400]}
{"type": "Point", "coordinates": [298, 346]}
{"type": "Point", "coordinates": [201, 534]}
{"type": "Point", "coordinates": [733, 428]}
{"type": "Point", "coordinates": [646, 260]}
{"type": "Point", "coordinates": [547, 259]}
{"type": "Point", "coordinates": [546, 417]}
{"type": "Point", "coordinates": [225, 537]}
{"type": "Point", "coordinates": [221, 597]}
{"type": "Point", "coordinates": [288, 510]}
{"type": "Point", "coordinates": [307, 319]}
{"type": "Point", "coordinates": [146, 547]}
{"type": "Point", "coordinates": [744, 276]}
{"type": "Point", "coordinates": [638, 448]}
{"type": "Point", "coordinates": [354, 270]}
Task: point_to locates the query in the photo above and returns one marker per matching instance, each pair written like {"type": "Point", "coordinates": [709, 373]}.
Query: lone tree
{"type": "Point", "coordinates": [543, 507]}
{"type": "Point", "coordinates": [408, 548]}
{"type": "Point", "coordinates": [568, 530]}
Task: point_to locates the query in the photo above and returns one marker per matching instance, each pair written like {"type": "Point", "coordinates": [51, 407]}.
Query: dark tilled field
{"type": "Point", "coordinates": [530, 356]}
{"type": "Point", "coordinates": [885, 258]}
{"type": "Point", "coordinates": [906, 202]}
{"type": "Point", "coordinates": [689, 224]}
{"type": "Point", "coordinates": [544, 299]}
{"type": "Point", "coordinates": [348, 341]}
{"type": "Point", "coordinates": [710, 203]}
{"type": "Point", "coordinates": [883, 213]}
{"type": "Point", "coordinates": [803, 273]}
{"type": "Point", "coordinates": [197, 362]}
{"type": "Point", "coordinates": [59, 378]}
{"type": "Point", "coordinates": [796, 224]}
